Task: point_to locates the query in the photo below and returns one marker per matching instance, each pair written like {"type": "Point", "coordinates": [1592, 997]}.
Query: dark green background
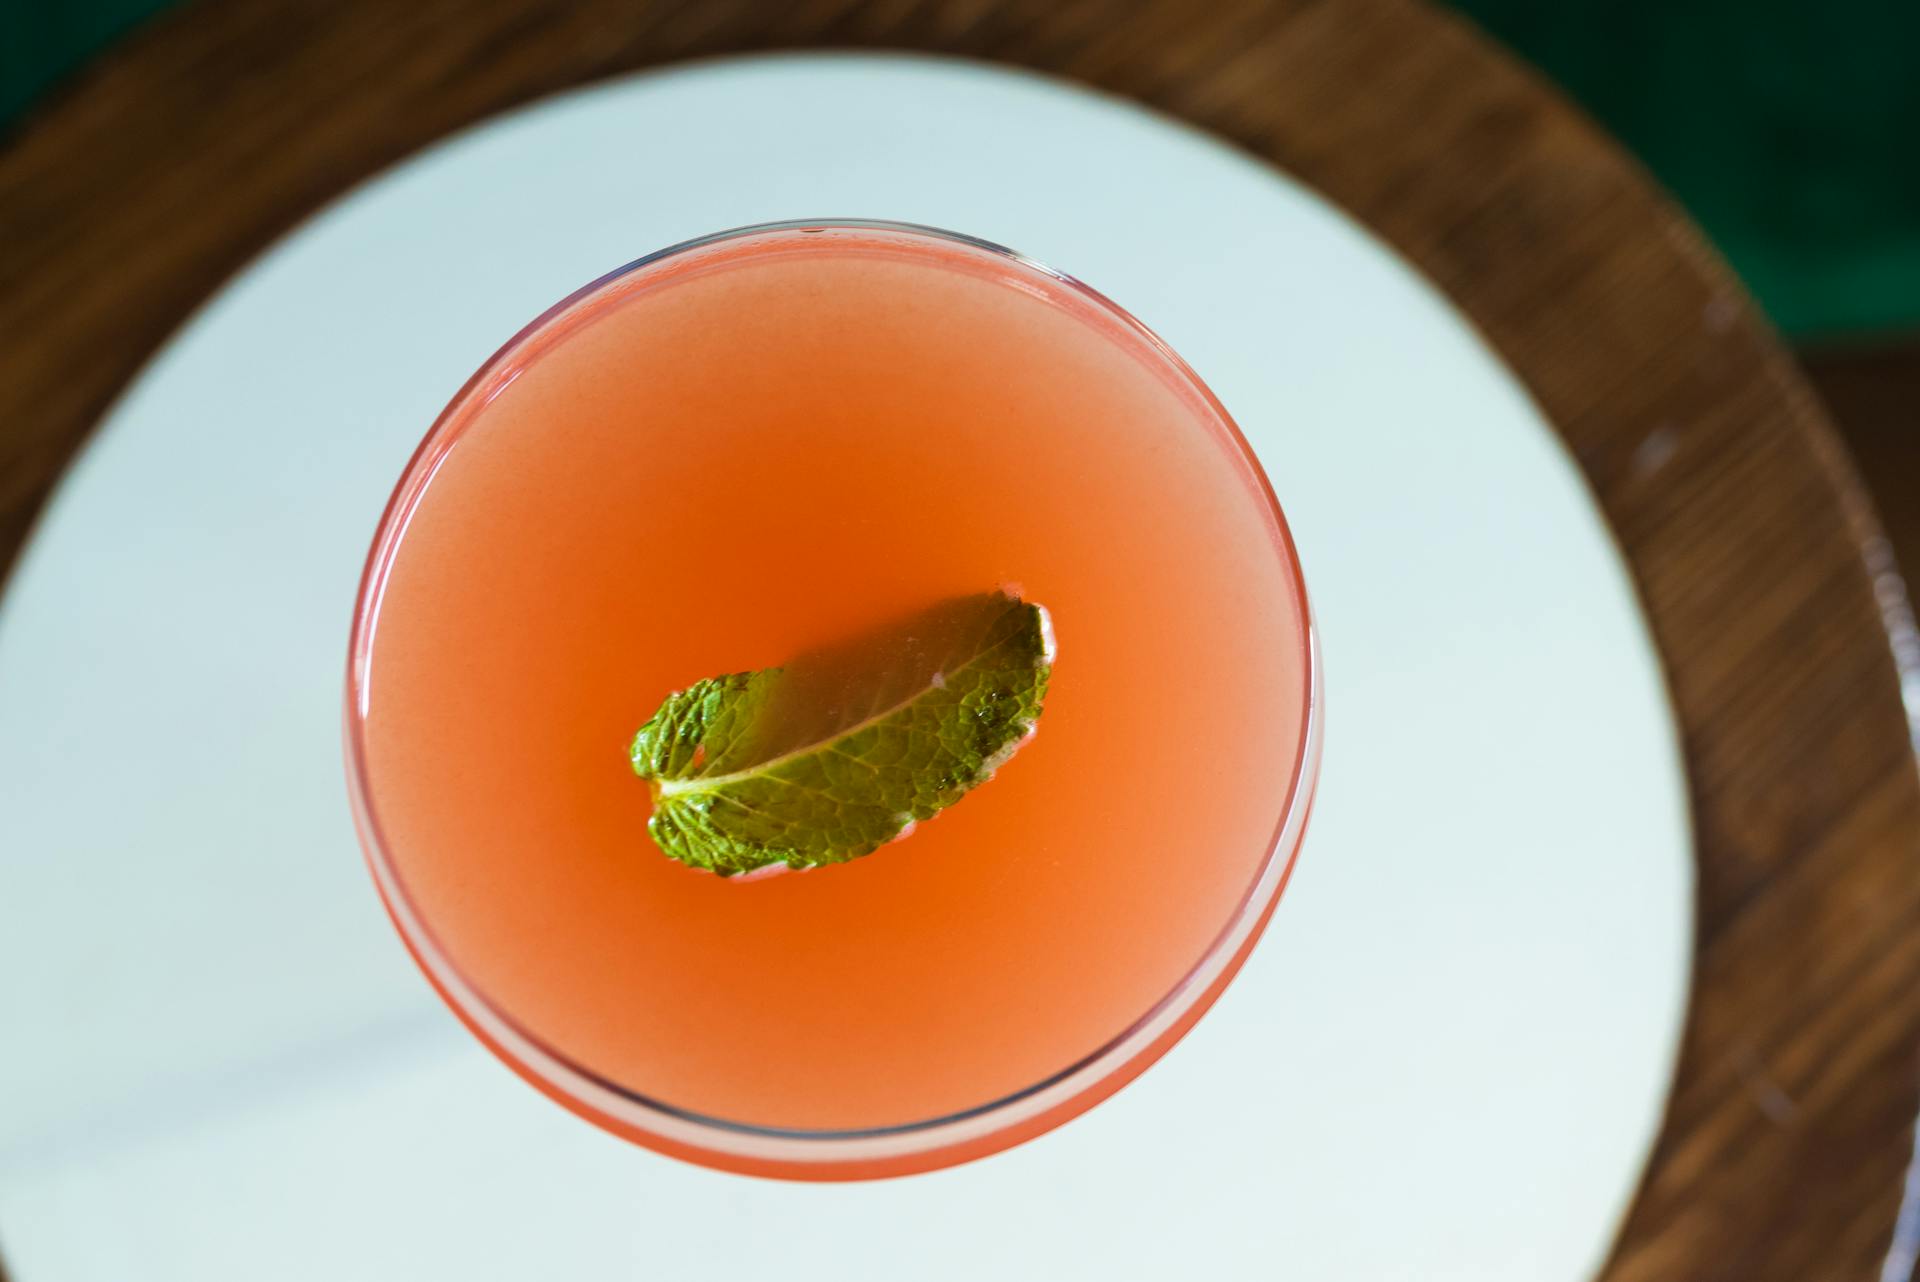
{"type": "Point", "coordinates": [1790, 130]}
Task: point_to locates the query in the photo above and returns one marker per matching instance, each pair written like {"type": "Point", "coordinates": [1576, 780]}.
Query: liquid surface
{"type": "Point", "coordinates": [765, 448]}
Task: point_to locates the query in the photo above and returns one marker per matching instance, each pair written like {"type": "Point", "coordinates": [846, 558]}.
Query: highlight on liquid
{"type": "Point", "coordinates": [759, 443]}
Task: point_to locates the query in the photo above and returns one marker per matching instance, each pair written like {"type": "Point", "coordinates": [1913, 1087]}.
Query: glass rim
{"type": "Point", "coordinates": [801, 1152]}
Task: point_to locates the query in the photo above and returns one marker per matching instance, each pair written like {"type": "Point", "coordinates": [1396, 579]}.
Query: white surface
{"type": "Point", "coordinates": [1446, 1060]}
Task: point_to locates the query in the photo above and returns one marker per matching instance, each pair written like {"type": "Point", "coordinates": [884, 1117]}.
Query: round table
{"type": "Point", "coordinates": [1771, 592]}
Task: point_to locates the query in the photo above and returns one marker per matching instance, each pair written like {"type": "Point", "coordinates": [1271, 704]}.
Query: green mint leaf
{"type": "Point", "coordinates": [844, 749]}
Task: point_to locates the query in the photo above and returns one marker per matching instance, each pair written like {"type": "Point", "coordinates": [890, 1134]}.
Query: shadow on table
{"type": "Point", "coordinates": [1873, 393]}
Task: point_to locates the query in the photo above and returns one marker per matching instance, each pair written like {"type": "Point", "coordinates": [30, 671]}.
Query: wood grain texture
{"type": "Point", "coordinates": [150, 180]}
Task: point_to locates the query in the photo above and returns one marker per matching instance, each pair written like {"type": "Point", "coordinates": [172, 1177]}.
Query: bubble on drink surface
{"type": "Point", "coordinates": [766, 872]}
